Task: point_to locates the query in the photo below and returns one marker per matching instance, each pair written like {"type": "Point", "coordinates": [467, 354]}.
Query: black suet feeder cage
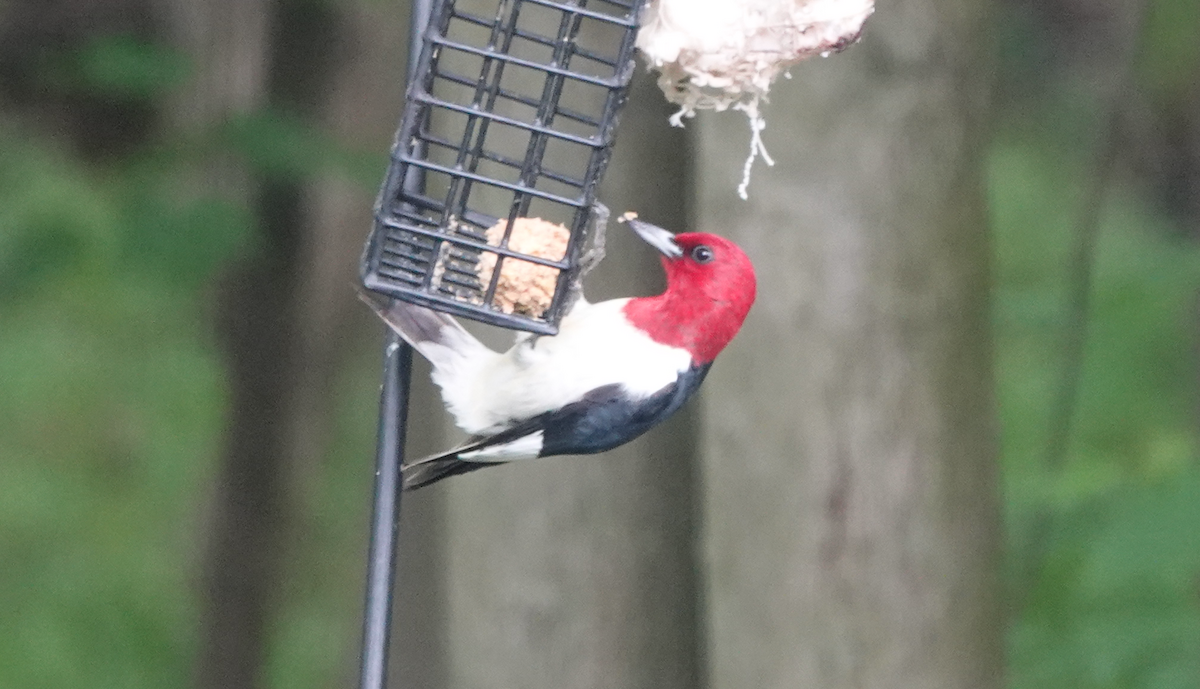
{"type": "Point", "coordinates": [511, 113]}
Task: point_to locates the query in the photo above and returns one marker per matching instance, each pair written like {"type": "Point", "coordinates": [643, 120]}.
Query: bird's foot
{"type": "Point", "coordinates": [592, 256]}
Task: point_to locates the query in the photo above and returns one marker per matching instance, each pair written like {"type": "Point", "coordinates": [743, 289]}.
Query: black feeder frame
{"type": "Point", "coordinates": [510, 113]}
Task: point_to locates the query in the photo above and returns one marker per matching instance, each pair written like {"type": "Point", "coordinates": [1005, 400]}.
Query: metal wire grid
{"type": "Point", "coordinates": [512, 113]}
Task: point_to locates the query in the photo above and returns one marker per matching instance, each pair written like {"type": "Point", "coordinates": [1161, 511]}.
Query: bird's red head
{"type": "Point", "coordinates": [710, 288]}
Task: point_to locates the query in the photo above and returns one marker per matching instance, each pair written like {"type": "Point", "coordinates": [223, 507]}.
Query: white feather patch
{"type": "Point", "coordinates": [596, 346]}
{"type": "Point", "coordinates": [525, 447]}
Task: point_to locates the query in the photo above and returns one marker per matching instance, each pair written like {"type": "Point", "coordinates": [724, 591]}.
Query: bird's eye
{"type": "Point", "coordinates": [702, 254]}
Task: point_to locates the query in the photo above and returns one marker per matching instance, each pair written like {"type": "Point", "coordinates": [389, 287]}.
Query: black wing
{"type": "Point", "coordinates": [605, 418]}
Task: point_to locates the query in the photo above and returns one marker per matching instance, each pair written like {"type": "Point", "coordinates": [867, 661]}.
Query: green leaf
{"type": "Point", "coordinates": [123, 65]}
{"type": "Point", "coordinates": [1150, 532]}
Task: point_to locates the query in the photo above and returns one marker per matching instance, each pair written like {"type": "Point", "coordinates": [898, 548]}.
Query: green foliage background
{"type": "Point", "coordinates": [112, 394]}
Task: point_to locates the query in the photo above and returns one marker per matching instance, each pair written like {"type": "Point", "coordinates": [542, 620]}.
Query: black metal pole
{"type": "Point", "coordinates": [385, 516]}
{"type": "Point", "coordinates": [393, 419]}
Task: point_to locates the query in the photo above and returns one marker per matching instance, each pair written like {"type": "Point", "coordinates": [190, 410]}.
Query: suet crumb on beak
{"type": "Point", "coordinates": [524, 287]}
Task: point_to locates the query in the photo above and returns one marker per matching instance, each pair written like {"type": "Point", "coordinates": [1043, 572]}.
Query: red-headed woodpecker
{"type": "Point", "coordinates": [614, 370]}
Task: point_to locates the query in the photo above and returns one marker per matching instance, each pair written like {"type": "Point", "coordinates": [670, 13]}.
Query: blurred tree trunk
{"type": "Point", "coordinates": [228, 43]}
{"type": "Point", "coordinates": [851, 519]}
{"type": "Point", "coordinates": [362, 109]}
{"type": "Point", "coordinates": [577, 572]}
{"type": "Point", "coordinates": [281, 310]}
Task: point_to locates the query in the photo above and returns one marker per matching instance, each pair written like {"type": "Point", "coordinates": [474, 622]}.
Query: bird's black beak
{"type": "Point", "coordinates": [655, 236]}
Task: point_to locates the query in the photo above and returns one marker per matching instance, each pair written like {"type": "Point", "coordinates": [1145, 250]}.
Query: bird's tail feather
{"type": "Point", "coordinates": [433, 469]}
{"type": "Point", "coordinates": [429, 332]}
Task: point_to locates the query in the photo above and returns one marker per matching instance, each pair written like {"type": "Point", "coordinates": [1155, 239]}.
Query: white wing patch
{"type": "Point", "coordinates": [596, 346]}
{"type": "Point", "coordinates": [525, 447]}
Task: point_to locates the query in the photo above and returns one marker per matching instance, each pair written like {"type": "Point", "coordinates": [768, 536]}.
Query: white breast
{"type": "Point", "coordinates": [595, 346]}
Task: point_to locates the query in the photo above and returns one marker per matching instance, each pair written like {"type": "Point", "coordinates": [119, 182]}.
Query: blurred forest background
{"type": "Point", "coordinates": [188, 386]}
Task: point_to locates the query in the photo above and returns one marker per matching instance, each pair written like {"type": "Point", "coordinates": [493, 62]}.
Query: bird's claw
{"type": "Point", "coordinates": [592, 257]}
